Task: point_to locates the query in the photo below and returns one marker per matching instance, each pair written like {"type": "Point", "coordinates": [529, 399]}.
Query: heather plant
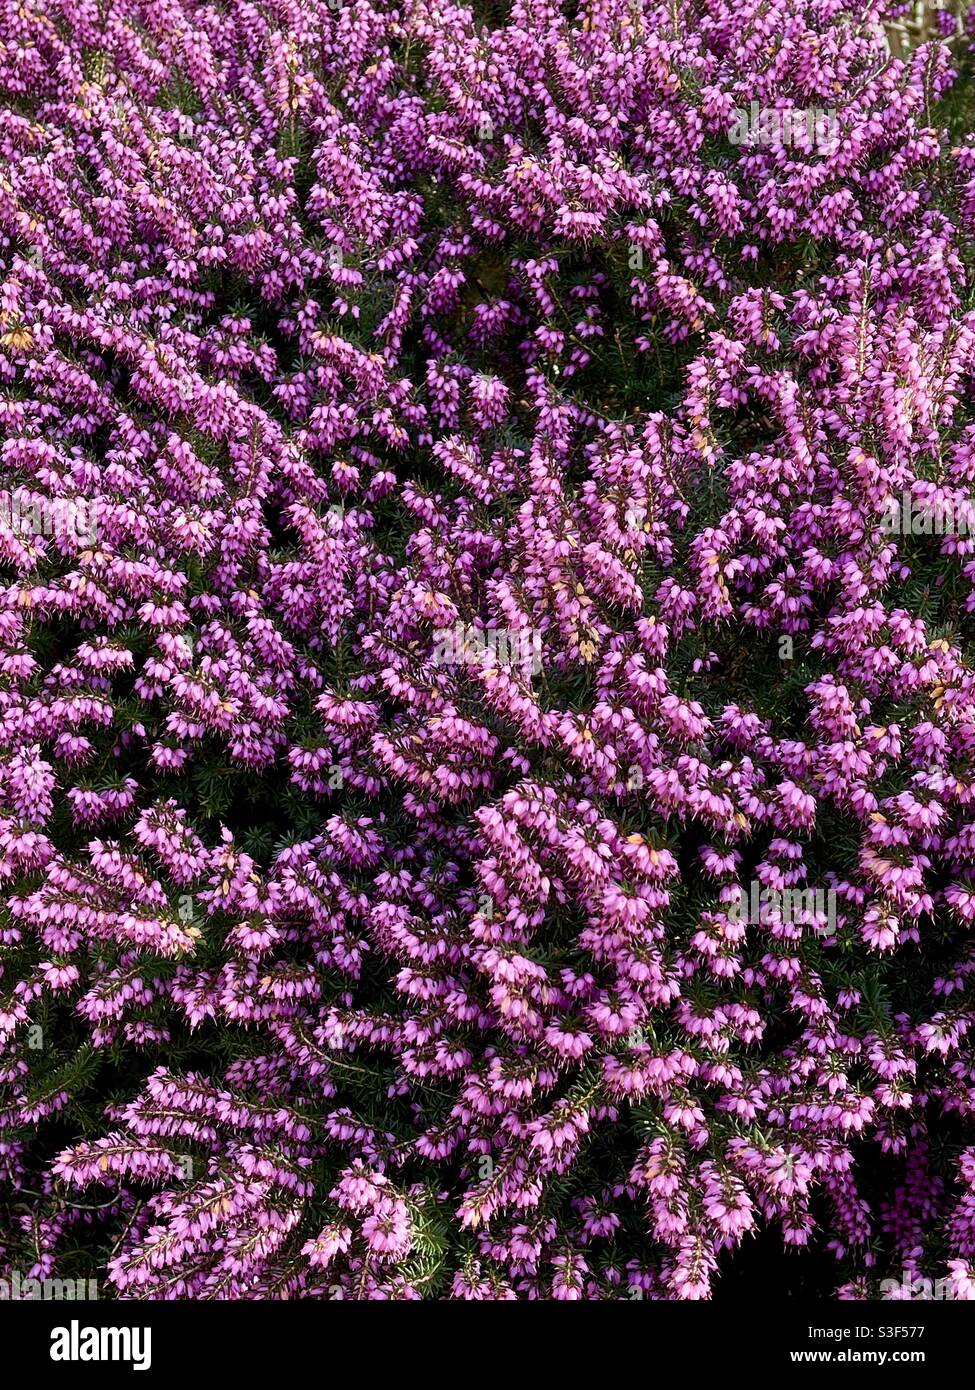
{"type": "Point", "coordinates": [480, 586]}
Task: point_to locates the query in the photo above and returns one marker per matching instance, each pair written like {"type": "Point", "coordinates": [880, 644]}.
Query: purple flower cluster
{"type": "Point", "coordinates": [339, 958]}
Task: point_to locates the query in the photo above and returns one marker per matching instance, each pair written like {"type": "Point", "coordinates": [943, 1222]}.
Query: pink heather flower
{"type": "Point", "coordinates": [464, 542]}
